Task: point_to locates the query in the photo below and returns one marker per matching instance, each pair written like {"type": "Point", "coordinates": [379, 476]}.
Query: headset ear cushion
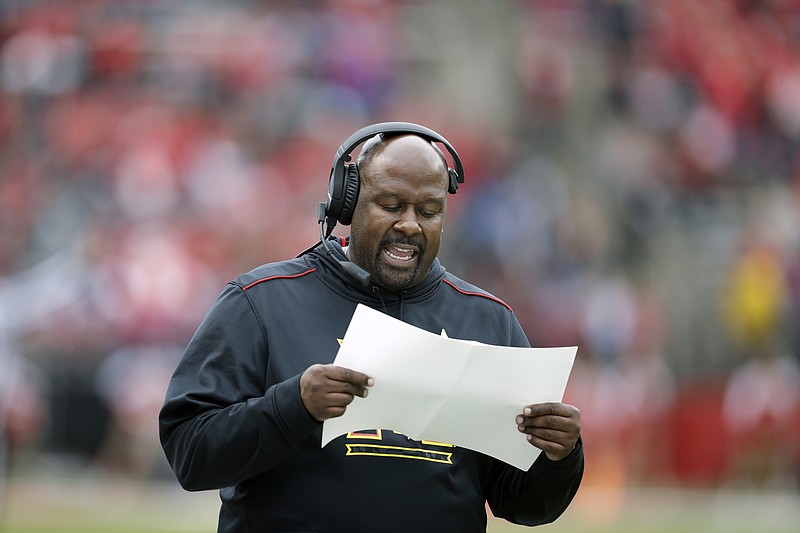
{"type": "Point", "coordinates": [453, 186]}
{"type": "Point", "coordinates": [352, 184]}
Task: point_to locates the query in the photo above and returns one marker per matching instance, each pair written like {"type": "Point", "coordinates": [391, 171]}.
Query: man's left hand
{"type": "Point", "coordinates": [554, 428]}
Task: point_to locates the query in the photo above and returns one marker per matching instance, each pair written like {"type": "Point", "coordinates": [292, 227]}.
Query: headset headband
{"type": "Point", "coordinates": [337, 188]}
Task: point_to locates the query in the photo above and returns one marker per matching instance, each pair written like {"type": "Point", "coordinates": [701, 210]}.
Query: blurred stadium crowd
{"type": "Point", "coordinates": [632, 187]}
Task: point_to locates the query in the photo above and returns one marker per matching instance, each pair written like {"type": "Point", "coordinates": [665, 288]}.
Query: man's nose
{"type": "Point", "coordinates": [408, 222]}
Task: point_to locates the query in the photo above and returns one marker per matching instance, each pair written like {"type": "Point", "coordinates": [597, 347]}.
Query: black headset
{"type": "Point", "coordinates": [345, 182]}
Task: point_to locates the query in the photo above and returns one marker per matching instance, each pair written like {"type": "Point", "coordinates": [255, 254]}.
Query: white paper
{"type": "Point", "coordinates": [431, 387]}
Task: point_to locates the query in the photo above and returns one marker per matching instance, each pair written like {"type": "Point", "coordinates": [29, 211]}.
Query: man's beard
{"type": "Point", "coordinates": [388, 277]}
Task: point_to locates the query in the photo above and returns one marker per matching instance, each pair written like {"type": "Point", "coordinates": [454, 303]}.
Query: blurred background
{"type": "Point", "coordinates": [632, 187]}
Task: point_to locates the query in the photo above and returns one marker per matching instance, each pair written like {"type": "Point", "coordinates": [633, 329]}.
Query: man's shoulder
{"type": "Point", "coordinates": [296, 268]}
{"type": "Point", "coordinates": [468, 290]}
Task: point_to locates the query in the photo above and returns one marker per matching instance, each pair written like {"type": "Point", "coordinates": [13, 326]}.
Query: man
{"type": "Point", "coordinates": [244, 408]}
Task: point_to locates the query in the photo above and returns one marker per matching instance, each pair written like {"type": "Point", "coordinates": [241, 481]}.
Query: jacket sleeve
{"type": "Point", "coordinates": [537, 496]}
{"type": "Point", "coordinates": [220, 424]}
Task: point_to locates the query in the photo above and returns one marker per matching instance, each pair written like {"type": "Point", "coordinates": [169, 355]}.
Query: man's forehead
{"type": "Point", "coordinates": [410, 147]}
{"type": "Point", "coordinates": [392, 177]}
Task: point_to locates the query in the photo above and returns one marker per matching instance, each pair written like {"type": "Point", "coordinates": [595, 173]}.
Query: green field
{"type": "Point", "coordinates": [112, 506]}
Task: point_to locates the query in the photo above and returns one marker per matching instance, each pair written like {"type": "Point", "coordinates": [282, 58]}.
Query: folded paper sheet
{"type": "Point", "coordinates": [432, 387]}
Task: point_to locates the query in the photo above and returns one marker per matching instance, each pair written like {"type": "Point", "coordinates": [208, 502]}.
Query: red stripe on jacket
{"type": "Point", "coordinates": [488, 297]}
{"type": "Point", "coordinates": [262, 280]}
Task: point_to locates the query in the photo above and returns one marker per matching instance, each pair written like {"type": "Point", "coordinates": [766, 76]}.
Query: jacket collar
{"type": "Point", "coordinates": [342, 284]}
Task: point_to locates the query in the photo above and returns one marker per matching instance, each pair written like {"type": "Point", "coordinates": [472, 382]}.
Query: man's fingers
{"type": "Point", "coordinates": [543, 421]}
{"type": "Point", "coordinates": [551, 416]}
{"type": "Point", "coordinates": [331, 378]}
{"type": "Point", "coordinates": [555, 451]}
{"type": "Point", "coordinates": [327, 390]}
{"type": "Point", "coordinates": [551, 408]}
{"type": "Point", "coordinates": [347, 375]}
{"type": "Point", "coordinates": [552, 427]}
{"type": "Point", "coordinates": [344, 387]}
{"type": "Point", "coordinates": [548, 434]}
{"type": "Point", "coordinates": [340, 399]}
{"type": "Point", "coordinates": [348, 381]}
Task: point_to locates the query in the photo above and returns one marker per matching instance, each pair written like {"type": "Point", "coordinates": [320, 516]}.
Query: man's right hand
{"type": "Point", "coordinates": [327, 390]}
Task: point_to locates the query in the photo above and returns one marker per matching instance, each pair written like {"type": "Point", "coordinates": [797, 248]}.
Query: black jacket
{"type": "Point", "coordinates": [233, 418]}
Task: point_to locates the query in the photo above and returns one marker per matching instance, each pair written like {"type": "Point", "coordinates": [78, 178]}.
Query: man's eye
{"type": "Point", "coordinates": [427, 213]}
{"type": "Point", "coordinates": [392, 208]}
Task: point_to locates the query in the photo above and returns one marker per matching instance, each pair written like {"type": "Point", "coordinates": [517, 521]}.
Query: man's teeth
{"type": "Point", "coordinates": [406, 251]}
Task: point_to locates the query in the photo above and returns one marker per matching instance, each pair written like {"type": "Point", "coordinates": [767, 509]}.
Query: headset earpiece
{"type": "Point", "coordinates": [344, 183]}
{"type": "Point", "coordinates": [453, 187]}
{"type": "Point", "coordinates": [352, 184]}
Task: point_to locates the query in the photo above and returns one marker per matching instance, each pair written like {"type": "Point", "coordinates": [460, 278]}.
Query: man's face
{"type": "Point", "coordinates": [397, 222]}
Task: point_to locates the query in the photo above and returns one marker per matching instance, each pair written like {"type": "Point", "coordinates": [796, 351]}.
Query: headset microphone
{"type": "Point", "coordinates": [350, 269]}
